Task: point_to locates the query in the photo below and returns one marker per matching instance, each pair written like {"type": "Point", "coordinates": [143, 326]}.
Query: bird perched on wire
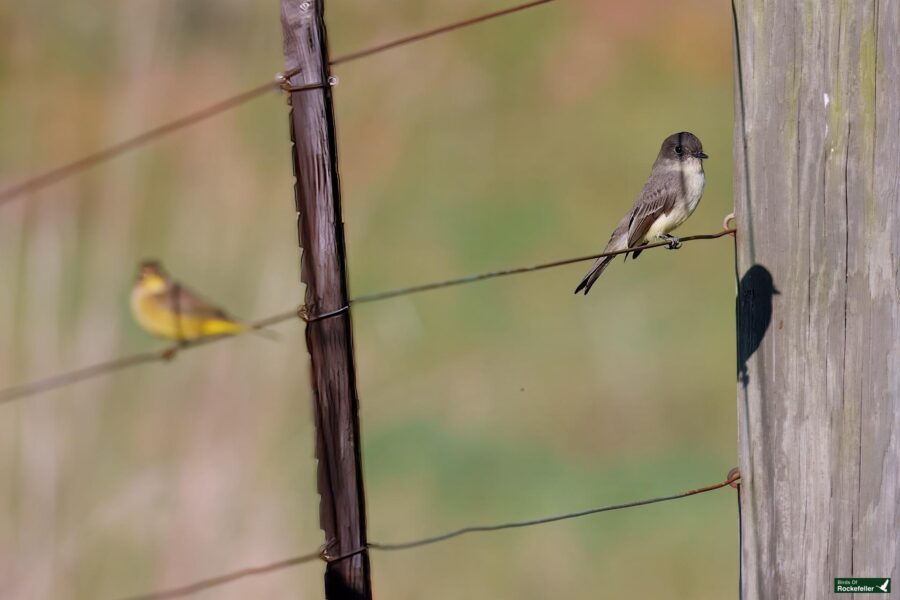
{"type": "Point", "coordinates": [169, 310]}
{"type": "Point", "coordinates": [670, 195]}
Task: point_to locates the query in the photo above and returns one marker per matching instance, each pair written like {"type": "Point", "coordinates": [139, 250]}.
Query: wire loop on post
{"type": "Point", "coordinates": [304, 314]}
{"type": "Point", "coordinates": [333, 559]}
{"type": "Point", "coordinates": [734, 477]}
{"type": "Point", "coordinates": [725, 224]}
{"type": "Point", "coordinates": [287, 87]}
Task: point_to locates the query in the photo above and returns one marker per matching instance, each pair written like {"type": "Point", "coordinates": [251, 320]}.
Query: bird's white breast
{"type": "Point", "coordinates": [693, 180]}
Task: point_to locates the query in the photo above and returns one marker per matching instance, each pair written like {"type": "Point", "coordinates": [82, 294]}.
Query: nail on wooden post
{"type": "Point", "coordinates": [323, 270]}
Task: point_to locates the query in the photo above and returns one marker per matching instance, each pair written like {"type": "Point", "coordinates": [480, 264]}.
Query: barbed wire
{"type": "Point", "coordinates": [13, 393]}
{"type": "Point", "coordinates": [732, 479]}
{"type": "Point", "coordinates": [93, 159]}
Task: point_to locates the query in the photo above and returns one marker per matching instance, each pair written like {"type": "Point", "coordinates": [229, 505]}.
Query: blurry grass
{"type": "Point", "coordinates": [498, 480]}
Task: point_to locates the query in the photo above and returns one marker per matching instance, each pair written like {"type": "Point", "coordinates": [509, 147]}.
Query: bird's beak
{"type": "Point", "coordinates": [775, 291]}
{"type": "Point", "coordinates": [700, 155]}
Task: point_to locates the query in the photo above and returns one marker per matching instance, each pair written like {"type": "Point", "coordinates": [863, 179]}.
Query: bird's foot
{"type": "Point", "coordinates": [674, 242]}
{"type": "Point", "coordinates": [170, 352]}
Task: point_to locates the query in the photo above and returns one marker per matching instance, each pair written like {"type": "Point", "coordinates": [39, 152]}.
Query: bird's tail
{"type": "Point", "coordinates": [593, 274]}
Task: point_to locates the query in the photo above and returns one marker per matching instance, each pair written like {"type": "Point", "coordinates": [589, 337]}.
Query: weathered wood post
{"type": "Point", "coordinates": [323, 269]}
{"type": "Point", "coordinates": [817, 202]}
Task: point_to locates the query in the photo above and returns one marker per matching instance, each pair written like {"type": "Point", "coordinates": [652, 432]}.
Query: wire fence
{"type": "Point", "coordinates": [732, 479]}
{"type": "Point", "coordinates": [70, 169]}
{"type": "Point", "coordinates": [311, 315]}
{"type": "Point", "coordinates": [18, 392]}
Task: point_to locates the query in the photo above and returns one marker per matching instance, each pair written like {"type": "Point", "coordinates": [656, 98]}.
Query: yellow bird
{"type": "Point", "coordinates": [169, 310]}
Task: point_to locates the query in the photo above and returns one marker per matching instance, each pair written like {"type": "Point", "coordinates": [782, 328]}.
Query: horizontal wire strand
{"type": "Point", "coordinates": [433, 32]}
{"type": "Point", "coordinates": [542, 521]}
{"type": "Point", "coordinates": [69, 169]}
{"type": "Point", "coordinates": [13, 393]}
{"type": "Point", "coordinates": [84, 163]}
{"type": "Point", "coordinates": [199, 586]}
{"type": "Point", "coordinates": [539, 267]}
{"type": "Point", "coordinates": [383, 547]}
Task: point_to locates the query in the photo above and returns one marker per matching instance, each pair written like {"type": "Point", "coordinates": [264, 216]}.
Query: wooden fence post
{"type": "Point", "coordinates": [817, 202]}
{"type": "Point", "coordinates": [323, 269]}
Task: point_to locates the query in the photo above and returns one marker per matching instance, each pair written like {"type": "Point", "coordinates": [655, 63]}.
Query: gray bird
{"type": "Point", "coordinates": [670, 195]}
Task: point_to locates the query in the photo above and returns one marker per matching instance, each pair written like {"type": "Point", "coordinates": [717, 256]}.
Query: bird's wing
{"type": "Point", "coordinates": [656, 199]}
{"type": "Point", "coordinates": [188, 303]}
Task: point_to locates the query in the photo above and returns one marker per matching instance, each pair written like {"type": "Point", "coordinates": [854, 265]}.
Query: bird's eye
{"type": "Point", "coordinates": [679, 150]}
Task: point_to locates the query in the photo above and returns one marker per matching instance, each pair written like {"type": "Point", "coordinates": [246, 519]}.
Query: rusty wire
{"type": "Point", "coordinates": [433, 32]}
{"type": "Point", "coordinates": [186, 590]}
{"type": "Point", "coordinates": [538, 267]}
{"type": "Point", "coordinates": [69, 169]}
{"type": "Point", "coordinates": [205, 584]}
{"type": "Point", "coordinates": [64, 171]}
{"type": "Point", "coordinates": [13, 393]}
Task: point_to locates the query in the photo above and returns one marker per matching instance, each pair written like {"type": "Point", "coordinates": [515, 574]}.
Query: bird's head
{"type": "Point", "coordinates": [151, 276]}
{"type": "Point", "coordinates": [682, 147]}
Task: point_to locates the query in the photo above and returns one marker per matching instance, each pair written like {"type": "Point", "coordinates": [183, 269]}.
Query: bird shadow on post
{"type": "Point", "coordinates": [753, 307]}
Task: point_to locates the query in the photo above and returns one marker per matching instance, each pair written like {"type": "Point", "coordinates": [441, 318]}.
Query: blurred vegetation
{"type": "Point", "coordinates": [512, 142]}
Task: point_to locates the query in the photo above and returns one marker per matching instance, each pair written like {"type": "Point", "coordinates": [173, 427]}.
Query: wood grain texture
{"type": "Point", "coordinates": [817, 203]}
{"type": "Point", "coordinates": [323, 269]}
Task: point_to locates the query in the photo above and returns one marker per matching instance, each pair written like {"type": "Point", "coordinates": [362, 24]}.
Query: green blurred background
{"type": "Point", "coordinates": [512, 142]}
